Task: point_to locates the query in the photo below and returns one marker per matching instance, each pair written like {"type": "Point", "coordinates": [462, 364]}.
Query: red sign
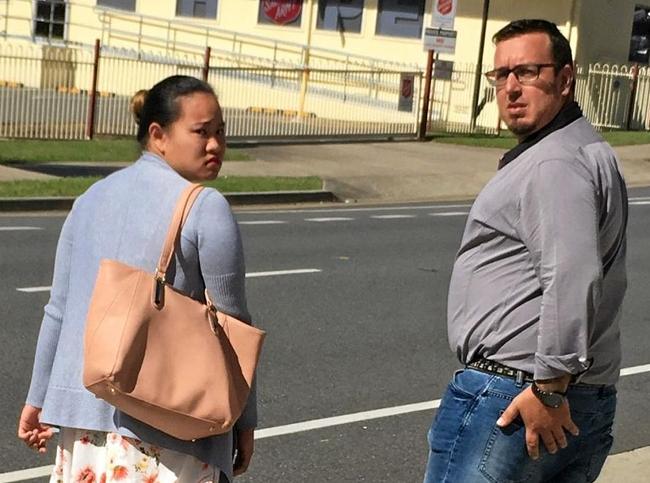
{"type": "Point", "coordinates": [445, 6]}
{"type": "Point", "coordinates": [282, 11]}
{"type": "Point", "coordinates": [407, 87]}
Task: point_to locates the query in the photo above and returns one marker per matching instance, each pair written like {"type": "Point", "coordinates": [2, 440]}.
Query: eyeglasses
{"type": "Point", "coordinates": [524, 73]}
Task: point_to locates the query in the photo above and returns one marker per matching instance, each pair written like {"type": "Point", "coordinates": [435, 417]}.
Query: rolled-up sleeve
{"type": "Point", "coordinates": [50, 331]}
{"type": "Point", "coordinates": [559, 224]}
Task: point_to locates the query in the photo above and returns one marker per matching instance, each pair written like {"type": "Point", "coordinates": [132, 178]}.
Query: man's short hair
{"type": "Point", "coordinates": [560, 48]}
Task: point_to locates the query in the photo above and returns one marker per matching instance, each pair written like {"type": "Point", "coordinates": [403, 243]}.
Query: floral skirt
{"type": "Point", "coordinates": [99, 457]}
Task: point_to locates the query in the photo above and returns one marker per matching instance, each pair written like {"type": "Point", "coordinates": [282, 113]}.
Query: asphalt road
{"type": "Point", "coordinates": [365, 332]}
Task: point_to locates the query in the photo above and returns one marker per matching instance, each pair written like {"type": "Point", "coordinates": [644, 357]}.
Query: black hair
{"type": "Point", "coordinates": [560, 48]}
{"type": "Point", "coordinates": [160, 103]}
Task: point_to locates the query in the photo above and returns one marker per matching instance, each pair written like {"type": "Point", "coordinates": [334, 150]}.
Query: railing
{"type": "Point", "coordinates": [46, 94]}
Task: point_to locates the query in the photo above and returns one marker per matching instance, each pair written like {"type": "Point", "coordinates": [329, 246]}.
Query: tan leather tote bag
{"type": "Point", "coordinates": [168, 360]}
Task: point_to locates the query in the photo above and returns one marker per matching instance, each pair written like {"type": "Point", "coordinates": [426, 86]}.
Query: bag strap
{"type": "Point", "coordinates": [182, 211]}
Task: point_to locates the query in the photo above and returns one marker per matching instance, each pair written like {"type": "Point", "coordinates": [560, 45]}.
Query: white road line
{"type": "Point", "coordinates": [248, 275]}
{"type": "Point", "coordinates": [392, 217]}
{"type": "Point", "coordinates": [19, 228]}
{"type": "Point", "coordinates": [630, 371]}
{"type": "Point", "coordinates": [34, 289]}
{"type": "Point", "coordinates": [333, 218]}
{"type": "Point", "coordinates": [345, 419]}
{"type": "Point", "coordinates": [282, 272]}
{"type": "Point", "coordinates": [639, 202]}
{"type": "Point", "coordinates": [262, 222]}
{"type": "Point", "coordinates": [344, 210]}
{"type": "Point", "coordinates": [450, 213]}
{"type": "Point", "coordinates": [28, 474]}
{"type": "Point", "coordinates": [274, 431]}
{"type": "Point", "coordinates": [639, 198]}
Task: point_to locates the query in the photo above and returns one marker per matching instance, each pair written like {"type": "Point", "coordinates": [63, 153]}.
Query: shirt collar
{"type": "Point", "coordinates": [566, 116]}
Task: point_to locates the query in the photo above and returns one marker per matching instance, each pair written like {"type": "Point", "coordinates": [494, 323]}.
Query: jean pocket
{"type": "Point", "coordinates": [506, 460]}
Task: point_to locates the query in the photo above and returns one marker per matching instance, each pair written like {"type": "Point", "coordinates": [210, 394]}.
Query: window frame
{"type": "Point", "coordinates": [322, 6]}
{"type": "Point", "coordinates": [421, 15]}
{"type": "Point", "coordinates": [205, 17]}
{"type": "Point", "coordinates": [135, 6]}
{"type": "Point", "coordinates": [51, 22]}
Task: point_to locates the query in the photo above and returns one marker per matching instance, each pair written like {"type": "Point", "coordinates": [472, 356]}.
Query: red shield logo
{"type": "Point", "coordinates": [281, 12]}
{"type": "Point", "coordinates": [445, 6]}
{"type": "Point", "coordinates": [407, 87]}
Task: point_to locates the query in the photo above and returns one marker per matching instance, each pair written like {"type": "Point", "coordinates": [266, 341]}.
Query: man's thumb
{"type": "Point", "coordinates": [507, 417]}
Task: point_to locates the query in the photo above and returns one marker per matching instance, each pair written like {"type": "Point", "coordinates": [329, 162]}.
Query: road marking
{"type": "Point", "coordinates": [325, 220]}
{"type": "Point", "coordinates": [28, 474]}
{"type": "Point", "coordinates": [345, 419]}
{"type": "Point", "coordinates": [34, 289]}
{"type": "Point", "coordinates": [343, 210]}
{"type": "Point", "coordinates": [639, 202]}
{"type": "Point", "coordinates": [19, 228]}
{"type": "Point", "coordinates": [282, 272]}
{"type": "Point", "coordinates": [392, 217]}
{"type": "Point", "coordinates": [262, 222]}
{"type": "Point", "coordinates": [310, 425]}
{"type": "Point", "coordinates": [248, 275]}
{"type": "Point", "coordinates": [450, 213]}
{"type": "Point", "coordinates": [630, 371]}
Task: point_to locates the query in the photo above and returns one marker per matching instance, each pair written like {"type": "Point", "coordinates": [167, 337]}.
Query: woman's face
{"type": "Point", "coordinates": [194, 145]}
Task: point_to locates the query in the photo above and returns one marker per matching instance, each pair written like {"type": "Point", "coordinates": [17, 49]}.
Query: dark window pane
{"type": "Point", "coordinates": [57, 31]}
{"type": "Point", "coordinates": [59, 12]}
{"type": "Point", "coordinates": [43, 10]}
{"type": "Point", "coordinates": [121, 4]}
{"type": "Point", "coordinates": [280, 12]}
{"type": "Point", "coordinates": [343, 15]}
{"type": "Point", "coordinates": [640, 39]}
{"type": "Point", "coordinates": [197, 8]}
{"type": "Point", "coordinates": [400, 18]}
{"type": "Point", "coordinates": [42, 29]}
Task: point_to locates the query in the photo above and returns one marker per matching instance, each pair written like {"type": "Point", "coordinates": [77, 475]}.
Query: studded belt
{"type": "Point", "coordinates": [493, 367]}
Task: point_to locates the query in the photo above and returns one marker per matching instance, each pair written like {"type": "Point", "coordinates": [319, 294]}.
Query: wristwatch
{"type": "Point", "coordinates": [548, 398]}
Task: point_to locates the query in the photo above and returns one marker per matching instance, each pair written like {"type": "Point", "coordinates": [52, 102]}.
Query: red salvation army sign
{"type": "Point", "coordinates": [282, 11]}
{"type": "Point", "coordinates": [444, 12]}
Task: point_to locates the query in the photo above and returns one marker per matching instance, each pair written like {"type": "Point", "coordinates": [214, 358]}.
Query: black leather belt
{"type": "Point", "coordinates": [493, 367]}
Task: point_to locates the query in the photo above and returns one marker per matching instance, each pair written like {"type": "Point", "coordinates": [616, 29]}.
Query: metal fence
{"type": "Point", "coordinates": [51, 92]}
{"type": "Point", "coordinates": [47, 92]}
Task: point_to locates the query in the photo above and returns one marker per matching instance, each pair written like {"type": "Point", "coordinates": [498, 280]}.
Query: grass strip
{"type": "Point", "coordinates": [507, 141]}
{"type": "Point", "coordinates": [22, 151]}
{"type": "Point", "coordinates": [74, 186]}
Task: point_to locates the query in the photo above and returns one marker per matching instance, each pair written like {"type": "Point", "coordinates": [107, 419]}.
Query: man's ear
{"type": "Point", "coordinates": [567, 79]}
{"type": "Point", "coordinates": [157, 137]}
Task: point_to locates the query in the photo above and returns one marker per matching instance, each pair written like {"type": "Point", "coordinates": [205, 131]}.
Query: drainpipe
{"type": "Point", "coordinates": [305, 67]}
{"type": "Point", "coordinates": [479, 64]}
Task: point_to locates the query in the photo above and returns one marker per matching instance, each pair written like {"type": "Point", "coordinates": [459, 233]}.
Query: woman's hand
{"type": "Point", "coordinates": [245, 447]}
{"type": "Point", "coordinates": [31, 431]}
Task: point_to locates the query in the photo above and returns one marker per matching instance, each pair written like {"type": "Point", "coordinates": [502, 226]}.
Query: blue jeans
{"type": "Point", "coordinates": [467, 446]}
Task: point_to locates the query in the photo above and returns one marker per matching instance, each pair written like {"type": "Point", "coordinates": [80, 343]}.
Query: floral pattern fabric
{"type": "Point", "coordinates": [99, 457]}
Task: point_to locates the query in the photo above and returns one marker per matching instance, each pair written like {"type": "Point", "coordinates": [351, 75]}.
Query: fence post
{"type": "Point", "coordinates": [206, 63]}
{"type": "Point", "coordinates": [425, 103]}
{"type": "Point", "coordinates": [90, 127]}
{"type": "Point", "coordinates": [635, 86]}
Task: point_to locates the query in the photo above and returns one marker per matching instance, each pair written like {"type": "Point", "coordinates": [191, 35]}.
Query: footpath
{"type": "Point", "coordinates": [399, 172]}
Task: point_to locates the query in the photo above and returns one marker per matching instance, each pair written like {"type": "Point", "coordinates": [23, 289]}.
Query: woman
{"type": "Point", "coordinates": [125, 217]}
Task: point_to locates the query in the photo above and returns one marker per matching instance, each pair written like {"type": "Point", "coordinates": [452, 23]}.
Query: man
{"type": "Point", "coordinates": [537, 286]}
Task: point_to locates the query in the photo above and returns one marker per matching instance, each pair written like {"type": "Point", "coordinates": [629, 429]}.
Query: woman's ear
{"type": "Point", "coordinates": [157, 138]}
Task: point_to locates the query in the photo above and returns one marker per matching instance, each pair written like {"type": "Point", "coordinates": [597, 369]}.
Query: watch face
{"type": "Point", "coordinates": [550, 399]}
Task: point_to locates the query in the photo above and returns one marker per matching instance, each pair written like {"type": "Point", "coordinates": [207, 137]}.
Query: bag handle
{"type": "Point", "coordinates": [182, 211]}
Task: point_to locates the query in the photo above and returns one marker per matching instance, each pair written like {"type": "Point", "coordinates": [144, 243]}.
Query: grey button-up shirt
{"type": "Point", "coordinates": [540, 276]}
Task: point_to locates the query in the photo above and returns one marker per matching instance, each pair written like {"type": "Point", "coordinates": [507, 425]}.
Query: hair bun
{"type": "Point", "coordinates": [137, 103]}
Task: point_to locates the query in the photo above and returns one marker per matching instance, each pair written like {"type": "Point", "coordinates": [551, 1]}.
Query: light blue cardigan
{"type": "Point", "coordinates": [125, 217]}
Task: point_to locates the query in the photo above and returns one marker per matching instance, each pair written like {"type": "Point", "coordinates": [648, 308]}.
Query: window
{"type": "Point", "coordinates": [400, 18]}
{"type": "Point", "coordinates": [121, 4]}
{"type": "Point", "coordinates": [196, 8]}
{"type": "Point", "coordinates": [49, 21]}
{"type": "Point", "coordinates": [342, 15]}
{"type": "Point", "coordinates": [280, 12]}
{"type": "Point", "coordinates": [640, 40]}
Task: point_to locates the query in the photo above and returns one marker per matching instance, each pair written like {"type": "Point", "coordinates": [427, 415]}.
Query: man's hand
{"type": "Point", "coordinates": [540, 421]}
{"type": "Point", "coordinates": [245, 447]}
{"type": "Point", "coordinates": [31, 431]}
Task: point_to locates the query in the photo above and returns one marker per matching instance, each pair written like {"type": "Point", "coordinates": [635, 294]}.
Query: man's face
{"type": "Point", "coordinates": [526, 108]}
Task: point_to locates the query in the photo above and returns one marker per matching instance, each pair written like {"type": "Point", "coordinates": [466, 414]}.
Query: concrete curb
{"type": "Point", "coordinates": [59, 203]}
